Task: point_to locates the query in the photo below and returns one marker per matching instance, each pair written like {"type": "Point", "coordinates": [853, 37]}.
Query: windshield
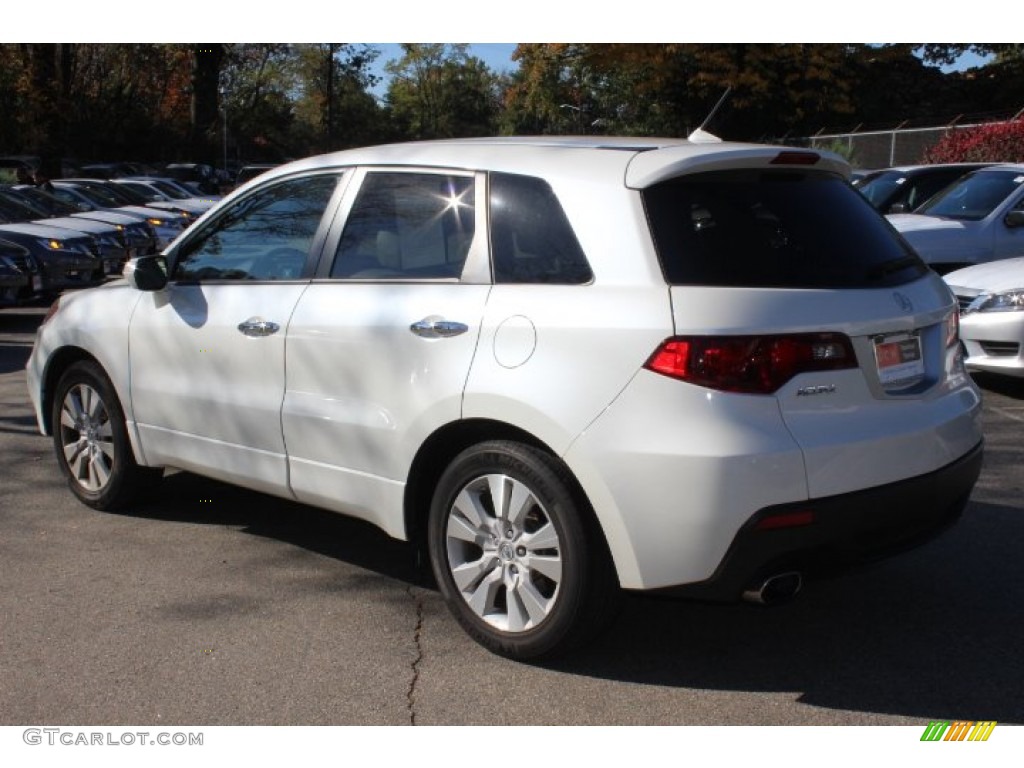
{"type": "Point", "coordinates": [761, 228]}
{"type": "Point", "coordinates": [97, 196]}
{"type": "Point", "coordinates": [169, 189]}
{"type": "Point", "coordinates": [142, 189]}
{"type": "Point", "coordinates": [48, 201]}
{"type": "Point", "coordinates": [975, 196]}
{"type": "Point", "coordinates": [122, 195]}
{"type": "Point", "coordinates": [879, 187]}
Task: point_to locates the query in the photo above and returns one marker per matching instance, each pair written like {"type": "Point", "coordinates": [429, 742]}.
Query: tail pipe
{"type": "Point", "coordinates": [775, 589]}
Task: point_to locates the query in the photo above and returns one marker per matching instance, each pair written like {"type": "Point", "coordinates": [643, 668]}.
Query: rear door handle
{"type": "Point", "coordinates": [257, 327]}
{"type": "Point", "coordinates": [434, 328]}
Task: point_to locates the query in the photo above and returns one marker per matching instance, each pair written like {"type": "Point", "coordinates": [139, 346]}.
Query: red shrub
{"type": "Point", "coordinates": [995, 143]}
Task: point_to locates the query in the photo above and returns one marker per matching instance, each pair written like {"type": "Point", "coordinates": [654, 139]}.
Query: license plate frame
{"type": "Point", "coordinates": [899, 360]}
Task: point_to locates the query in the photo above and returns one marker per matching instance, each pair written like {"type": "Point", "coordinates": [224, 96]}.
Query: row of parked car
{"type": "Point", "coordinates": [966, 221]}
{"type": "Point", "coordinates": [74, 232]}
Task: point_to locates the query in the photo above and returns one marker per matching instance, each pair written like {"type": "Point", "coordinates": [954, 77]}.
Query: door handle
{"type": "Point", "coordinates": [257, 327]}
{"type": "Point", "coordinates": [434, 328]}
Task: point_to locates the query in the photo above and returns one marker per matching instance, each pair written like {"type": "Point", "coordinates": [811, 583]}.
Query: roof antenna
{"type": "Point", "coordinates": [700, 136]}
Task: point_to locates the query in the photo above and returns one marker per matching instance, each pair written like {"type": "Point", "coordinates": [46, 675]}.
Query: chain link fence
{"type": "Point", "coordinates": [884, 149]}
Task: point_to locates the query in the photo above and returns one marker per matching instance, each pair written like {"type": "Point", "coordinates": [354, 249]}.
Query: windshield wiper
{"type": "Point", "coordinates": [895, 265]}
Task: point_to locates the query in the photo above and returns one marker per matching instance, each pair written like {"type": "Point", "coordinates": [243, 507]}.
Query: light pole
{"type": "Point", "coordinates": [224, 123]}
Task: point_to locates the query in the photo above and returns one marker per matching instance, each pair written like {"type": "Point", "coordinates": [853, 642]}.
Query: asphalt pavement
{"type": "Point", "coordinates": [213, 605]}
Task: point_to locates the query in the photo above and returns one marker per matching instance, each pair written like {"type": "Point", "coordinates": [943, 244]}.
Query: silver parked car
{"type": "Point", "coordinates": [991, 298]}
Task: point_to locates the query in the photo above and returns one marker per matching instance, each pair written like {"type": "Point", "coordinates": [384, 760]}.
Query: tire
{"type": "Point", "coordinates": [528, 577]}
{"type": "Point", "coordinates": [91, 440]}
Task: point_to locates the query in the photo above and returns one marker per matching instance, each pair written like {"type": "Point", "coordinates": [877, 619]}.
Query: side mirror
{"type": "Point", "coordinates": [1014, 219]}
{"type": "Point", "coordinates": [147, 273]}
{"type": "Point", "coordinates": [898, 208]}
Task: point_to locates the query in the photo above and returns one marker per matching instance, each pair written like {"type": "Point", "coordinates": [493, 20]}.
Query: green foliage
{"type": "Point", "coordinates": [440, 91]}
{"type": "Point", "coordinates": [842, 148]}
{"type": "Point", "coordinates": [334, 107]}
{"type": "Point", "coordinates": [669, 89]}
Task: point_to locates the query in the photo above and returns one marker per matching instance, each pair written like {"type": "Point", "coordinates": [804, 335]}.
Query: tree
{"type": "Point", "coordinates": [336, 109]}
{"type": "Point", "coordinates": [669, 89]}
{"type": "Point", "coordinates": [206, 67]}
{"type": "Point", "coordinates": [257, 84]}
{"type": "Point", "coordinates": [440, 91]}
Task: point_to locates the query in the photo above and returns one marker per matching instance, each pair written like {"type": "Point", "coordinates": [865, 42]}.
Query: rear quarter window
{"type": "Point", "coordinates": [768, 228]}
{"type": "Point", "coordinates": [531, 238]}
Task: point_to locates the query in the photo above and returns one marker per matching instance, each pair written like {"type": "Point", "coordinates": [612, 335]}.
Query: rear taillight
{"type": "Point", "coordinates": [952, 329]}
{"type": "Point", "coordinates": [750, 364]}
{"type": "Point", "coordinates": [51, 311]}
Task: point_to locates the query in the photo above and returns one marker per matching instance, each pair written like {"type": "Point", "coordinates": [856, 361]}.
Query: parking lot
{"type": "Point", "coordinates": [214, 605]}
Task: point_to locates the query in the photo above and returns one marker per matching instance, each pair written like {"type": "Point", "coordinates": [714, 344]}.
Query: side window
{"type": "Point", "coordinates": [531, 239]}
{"type": "Point", "coordinates": [265, 236]}
{"type": "Point", "coordinates": [407, 226]}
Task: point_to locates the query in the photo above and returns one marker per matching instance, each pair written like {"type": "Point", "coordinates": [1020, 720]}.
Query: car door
{"type": "Point", "coordinates": [208, 352]}
{"type": "Point", "coordinates": [380, 345]}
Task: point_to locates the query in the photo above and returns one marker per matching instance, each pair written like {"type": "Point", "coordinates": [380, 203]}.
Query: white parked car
{"type": "Point", "coordinates": [563, 365]}
{"type": "Point", "coordinates": [978, 219]}
{"type": "Point", "coordinates": [991, 298]}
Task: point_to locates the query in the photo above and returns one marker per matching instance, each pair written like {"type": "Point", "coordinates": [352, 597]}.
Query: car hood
{"type": "Point", "coordinates": [81, 225]}
{"type": "Point", "coordinates": [41, 231]}
{"type": "Point", "coordinates": [939, 240]}
{"type": "Point", "coordinates": [192, 206]}
{"type": "Point", "coordinates": [996, 276]}
{"type": "Point", "coordinates": [107, 216]}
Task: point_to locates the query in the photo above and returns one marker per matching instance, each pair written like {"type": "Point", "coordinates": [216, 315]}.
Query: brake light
{"type": "Point", "coordinates": [750, 364]}
{"type": "Point", "coordinates": [952, 329]}
{"type": "Point", "coordinates": [51, 311]}
{"type": "Point", "coordinates": [796, 157]}
{"type": "Point", "coordinates": [785, 520]}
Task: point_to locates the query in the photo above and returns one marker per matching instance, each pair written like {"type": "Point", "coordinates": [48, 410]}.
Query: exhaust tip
{"type": "Point", "coordinates": [775, 589]}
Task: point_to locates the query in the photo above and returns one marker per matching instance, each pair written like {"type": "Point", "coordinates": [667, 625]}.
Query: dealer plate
{"type": "Point", "coordinates": [899, 360]}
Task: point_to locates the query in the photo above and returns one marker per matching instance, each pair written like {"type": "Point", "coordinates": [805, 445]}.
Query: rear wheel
{"type": "Point", "coordinates": [518, 563]}
{"type": "Point", "coordinates": [91, 440]}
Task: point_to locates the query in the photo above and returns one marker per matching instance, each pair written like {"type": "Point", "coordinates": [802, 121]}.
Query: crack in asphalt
{"type": "Point", "coordinates": [410, 695]}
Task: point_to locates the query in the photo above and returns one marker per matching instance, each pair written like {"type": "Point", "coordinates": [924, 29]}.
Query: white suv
{"type": "Point", "coordinates": [562, 365]}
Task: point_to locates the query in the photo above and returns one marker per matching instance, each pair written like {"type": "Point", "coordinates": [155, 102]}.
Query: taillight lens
{"type": "Point", "coordinates": [952, 329]}
{"type": "Point", "coordinates": [51, 311]}
{"type": "Point", "coordinates": [750, 364]}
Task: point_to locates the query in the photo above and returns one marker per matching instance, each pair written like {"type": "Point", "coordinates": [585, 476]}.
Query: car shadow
{"type": "Point", "coordinates": [932, 634]}
{"type": "Point", "coordinates": [1008, 386]}
{"type": "Point", "coordinates": [186, 498]}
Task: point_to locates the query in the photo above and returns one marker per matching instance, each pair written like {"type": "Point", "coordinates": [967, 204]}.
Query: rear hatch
{"type": "Point", "coordinates": [786, 284]}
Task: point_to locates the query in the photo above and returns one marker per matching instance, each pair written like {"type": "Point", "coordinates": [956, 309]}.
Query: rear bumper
{"type": "Point", "coordinates": [847, 530]}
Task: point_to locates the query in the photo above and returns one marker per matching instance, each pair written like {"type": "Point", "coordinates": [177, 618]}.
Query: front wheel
{"type": "Point", "coordinates": [514, 554]}
{"type": "Point", "coordinates": [91, 440]}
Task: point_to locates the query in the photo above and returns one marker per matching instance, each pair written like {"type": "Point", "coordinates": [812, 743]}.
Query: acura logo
{"type": "Point", "coordinates": [902, 301]}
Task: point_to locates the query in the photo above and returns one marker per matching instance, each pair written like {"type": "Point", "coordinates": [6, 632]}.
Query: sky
{"type": "Point", "coordinates": [641, 21]}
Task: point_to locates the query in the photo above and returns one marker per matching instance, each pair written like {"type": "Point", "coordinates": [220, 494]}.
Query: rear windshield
{"type": "Point", "coordinates": [879, 187]}
{"type": "Point", "coordinates": [768, 228]}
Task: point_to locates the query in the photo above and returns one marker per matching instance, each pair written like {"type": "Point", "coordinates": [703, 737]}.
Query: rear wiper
{"type": "Point", "coordinates": [895, 265]}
